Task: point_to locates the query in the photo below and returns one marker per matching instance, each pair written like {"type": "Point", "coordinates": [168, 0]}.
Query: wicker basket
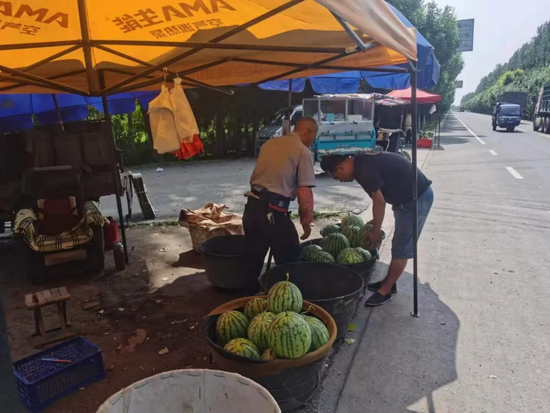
{"type": "Point", "coordinates": [292, 383]}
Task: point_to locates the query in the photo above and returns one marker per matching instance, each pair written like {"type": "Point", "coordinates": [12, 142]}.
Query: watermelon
{"type": "Point", "coordinates": [366, 228]}
{"type": "Point", "coordinates": [351, 219]}
{"type": "Point", "coordinates": [268, 355]}
{"type": "Point", "coordinates": [319, 332]}
{"type": "Point", "coordinates": [230, 325]}
{"type": "Point", "coordinates": [284, 296]}
{"type": "Point", "coordinates": [322, 256]}
{"type": "Point", "coordinates": [334, 243]}
{"type": "Point", "coordinates": [330, 229]}
{"type": "Point", "coordinates": [258, 328]}
{"type": "Point", "coordinates": [243, 347]}
{"type": "Point", "coordinates": [353, 234]}
{"type": "Point", "coordinates": [254, 307]}
{"type": "Point", "coordinates": [367, 256]}
{"type": "Point", "coordinates": [350, 256]}
{"type": "Point", "coordinates": [309, 251]}
{"type": "Point", "coordinates": [289, 335]}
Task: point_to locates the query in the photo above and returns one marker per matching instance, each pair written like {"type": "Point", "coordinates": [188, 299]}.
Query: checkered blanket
{"type": "Point", "coordinates": [25, 221]}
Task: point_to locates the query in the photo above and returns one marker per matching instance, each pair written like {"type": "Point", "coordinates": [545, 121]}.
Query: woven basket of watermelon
{"type": "Point", "coordinates": [335, 288]}
{"type": "Point", "coordinates": [278, 340]}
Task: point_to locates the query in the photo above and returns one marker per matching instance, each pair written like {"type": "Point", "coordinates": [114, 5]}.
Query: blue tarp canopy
{"type": "Point", "coordinates": [16, 111]}
{"type": "Point", "coordinates": [348, 82]}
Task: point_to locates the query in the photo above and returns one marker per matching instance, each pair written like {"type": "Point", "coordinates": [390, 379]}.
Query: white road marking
{"type": "Point", "coordinates": [493, 152]}
{"type": "Point", "coordinates": [520, 130]}
{"type": "Point", "coordinates": [543, 135]}
{"type": "Point", "coordinates": [513, 172]}
{"type": "Point", "coordinates": [469, 130]}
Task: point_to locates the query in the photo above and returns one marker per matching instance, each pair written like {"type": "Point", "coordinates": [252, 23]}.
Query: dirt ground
{"type": "Point", "coordinates": [159, 302]}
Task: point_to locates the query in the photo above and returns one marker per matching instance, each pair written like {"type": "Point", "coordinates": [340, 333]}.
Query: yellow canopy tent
{"type": "Point", "coordinates": [63, 45]}
{"type": "Point", "coordinates": [102, 47]}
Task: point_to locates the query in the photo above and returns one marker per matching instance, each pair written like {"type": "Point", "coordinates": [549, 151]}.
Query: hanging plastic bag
{"type": "Point", "coordinates": [186, 125]}
{"type": "Point", "coordinates": [163, 126]}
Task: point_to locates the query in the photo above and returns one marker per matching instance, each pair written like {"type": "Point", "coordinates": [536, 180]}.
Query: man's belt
{"type": "Point", "coordinates": [274, 201]}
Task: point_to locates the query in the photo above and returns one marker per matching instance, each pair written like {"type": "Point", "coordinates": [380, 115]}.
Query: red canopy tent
{"type": "Point", "coordinates": [422, 97]}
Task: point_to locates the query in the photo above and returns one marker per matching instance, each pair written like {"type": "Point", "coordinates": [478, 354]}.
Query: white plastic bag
{"type": "Point", "coordinates": [186, 125]}
{"type": "Point", "coordinates": [163, 126]}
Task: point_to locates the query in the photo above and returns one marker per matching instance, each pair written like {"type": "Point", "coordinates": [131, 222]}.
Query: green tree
{"type": "Point", "coordinates": [466, 98]}
{"type": "Point", "coordinates": [438, 25]}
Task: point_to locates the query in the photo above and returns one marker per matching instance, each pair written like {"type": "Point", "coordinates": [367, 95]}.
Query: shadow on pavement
{"type": "Point", "coordinates": [400, 360]}
{"type": "Point", "coordinates": [505, 131]}
{"type": "Point", "coordinates": [455, 140]}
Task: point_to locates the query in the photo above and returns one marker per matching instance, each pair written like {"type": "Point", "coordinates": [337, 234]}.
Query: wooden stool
{"type": "Point", "coordinates": [59, 297]}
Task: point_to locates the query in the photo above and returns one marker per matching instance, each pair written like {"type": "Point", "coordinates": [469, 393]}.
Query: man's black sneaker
{"type": "Point", "coordinates": [376, 286]}
{"type": "Point", "coordinates": [377, 299]}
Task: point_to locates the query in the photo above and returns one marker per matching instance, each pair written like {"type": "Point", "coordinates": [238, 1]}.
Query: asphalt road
{"type": "Point", "coordinates": [193, 184]}
{"type": "Point", "coordinates": [481, 343]}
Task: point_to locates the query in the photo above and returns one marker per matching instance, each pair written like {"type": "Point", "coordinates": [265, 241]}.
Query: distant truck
{"type": "Point", "coordinates": [518, 98]}
{"type": "Point", "coordinates": [506, 115]}
{"type": "Point", "coordinates": [541, 115]}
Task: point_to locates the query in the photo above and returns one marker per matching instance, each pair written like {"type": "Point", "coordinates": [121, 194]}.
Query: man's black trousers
{"type": "Point", "coordinates": [261, 234]}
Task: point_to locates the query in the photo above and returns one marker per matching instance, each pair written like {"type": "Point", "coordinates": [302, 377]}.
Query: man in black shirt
{"type": "Point", "coordinates": [387, 178]}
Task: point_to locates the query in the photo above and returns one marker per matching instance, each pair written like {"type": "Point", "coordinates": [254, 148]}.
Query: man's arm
{"type": "Point", "coordinates": [305, 209]}
{"type": "Point", "coordinates": [378, 210]}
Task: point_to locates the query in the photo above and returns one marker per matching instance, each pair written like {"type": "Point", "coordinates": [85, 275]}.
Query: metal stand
{"type": "Point", "coordinates": [415, 189]}
{"type": "Point", "coordinates": [116, 174]}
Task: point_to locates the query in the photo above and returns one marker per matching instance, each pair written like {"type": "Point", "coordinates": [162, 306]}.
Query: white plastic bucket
{"type": "Point", "coordinates": [192, 391]}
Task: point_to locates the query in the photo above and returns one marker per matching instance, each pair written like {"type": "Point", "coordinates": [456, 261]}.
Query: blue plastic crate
{"type": "Point", "coordinates": [42, 382]}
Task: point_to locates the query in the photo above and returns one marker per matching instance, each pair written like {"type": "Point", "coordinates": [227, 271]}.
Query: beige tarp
{"type": "Point", "coordinates": [126, 37]}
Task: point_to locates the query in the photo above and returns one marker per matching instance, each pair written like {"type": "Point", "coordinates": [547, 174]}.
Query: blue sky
{"type": "Point", "coordinates": [501, 27]}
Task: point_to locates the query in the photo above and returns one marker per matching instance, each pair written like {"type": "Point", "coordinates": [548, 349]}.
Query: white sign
{"type": "Point", "coordinates": [466, 35]}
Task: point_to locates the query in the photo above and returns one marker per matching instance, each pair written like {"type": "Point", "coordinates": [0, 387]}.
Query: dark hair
{"type": "Point", "coordinates": [330, 163]}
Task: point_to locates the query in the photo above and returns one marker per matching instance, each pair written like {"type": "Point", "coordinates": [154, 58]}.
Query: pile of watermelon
{"type": "Point", "coordinates": [342, 244]}
{"type": "Point", "coordinates": [272, 328]}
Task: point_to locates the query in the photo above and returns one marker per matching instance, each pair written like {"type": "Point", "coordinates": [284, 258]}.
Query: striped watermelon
{"type": "Point", "coordinates": [322, 256]}
{"type": "Point", "coordinates": [319, 332]}
{"type": "Point", "coordinates": [284, 296]}
{"type": "Point", "coordinates": [309, 251]}
{"type": "Point", "coordinates": [353, 234]}
{"type": "Point", "coordinates": [334, 243]}
{"type": "Point", "coordinates": [254, 307]}
{"type": "Point", "coordinates": [243, 347]}
{"type": "Point", "coordinates": [258, 328]}
{"type": "Point", "coordinates": [289, 335]}
{"type": "Point", "coordinates": [330, 229]}
{"type": "Point", "coordinates": [230, 325]}
{"type": "Point", "coordinates": [352, 219]}
{"type": "Point", "coordinates": [367, 256]}
{"type": "Point", "coordinates": [350, 256]}
{"type": "Point", "coordinates": [268, 355]}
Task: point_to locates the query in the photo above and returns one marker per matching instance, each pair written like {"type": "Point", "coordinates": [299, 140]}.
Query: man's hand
{"type": "Point", "coordinates": [307, 231]}
{"type": "Point", "coordinates": [373, 238]}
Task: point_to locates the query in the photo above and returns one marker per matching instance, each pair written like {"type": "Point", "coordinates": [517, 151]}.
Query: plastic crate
{"type": "Point", "coordinates": [41, 382]}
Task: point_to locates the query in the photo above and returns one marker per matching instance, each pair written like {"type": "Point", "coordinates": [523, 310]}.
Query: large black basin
{"type": "Point", "coordinates": [335, 288]}
{"type": "Point", "coordinates": [223, 261]}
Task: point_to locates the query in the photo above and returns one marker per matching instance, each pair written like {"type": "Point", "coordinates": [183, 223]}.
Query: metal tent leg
{"type": "Point", "coordinates": [116, 174]}
{"type": "Point", "coordinates": [414, 115]}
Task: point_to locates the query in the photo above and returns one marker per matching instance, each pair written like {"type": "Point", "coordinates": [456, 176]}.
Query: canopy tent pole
{"type": "Point", "coordinates": [414, 115]}
{"type": "Point", "coordinates": [57, 112]}
{"type": "Point", "coordinates": [116, 175]}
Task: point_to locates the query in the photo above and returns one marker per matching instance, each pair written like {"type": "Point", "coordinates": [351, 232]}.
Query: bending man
{"type": "Point", "coordinates": [284, 171]}
{"type": "Point", "coordinates": [387, 178]}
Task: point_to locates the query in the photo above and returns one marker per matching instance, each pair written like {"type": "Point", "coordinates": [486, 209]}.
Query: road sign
{"type": "Point", "coordinates": [466, 35]}
{"type": "Point", "coordinates": [459, 84]}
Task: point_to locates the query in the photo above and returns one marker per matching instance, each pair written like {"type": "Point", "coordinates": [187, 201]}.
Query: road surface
{"type": "Point", "coordinates": [482, 342]}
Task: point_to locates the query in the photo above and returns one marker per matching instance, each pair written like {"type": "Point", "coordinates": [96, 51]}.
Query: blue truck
{"type": "Point", "coordinates": [506, 115]}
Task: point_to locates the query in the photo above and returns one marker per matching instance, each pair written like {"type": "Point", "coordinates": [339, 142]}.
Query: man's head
{"type": "Point", "coordinates": [338, 167]}
{"type": "Point", "coordinates": [307, 129]}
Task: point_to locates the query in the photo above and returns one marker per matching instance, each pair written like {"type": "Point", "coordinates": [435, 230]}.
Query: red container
{"type": "Point", "coordinates": [110, 234]}
{"type": "Point", "coordinates": [424, 143]}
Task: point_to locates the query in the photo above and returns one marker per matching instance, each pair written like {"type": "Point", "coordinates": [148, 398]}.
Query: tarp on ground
{"type": "Point", "coordinates": [349, 82]}
{"type": "Point", "coordinates": [421, 96]}
{"type": "Point", "coordinates": [218, 42]}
